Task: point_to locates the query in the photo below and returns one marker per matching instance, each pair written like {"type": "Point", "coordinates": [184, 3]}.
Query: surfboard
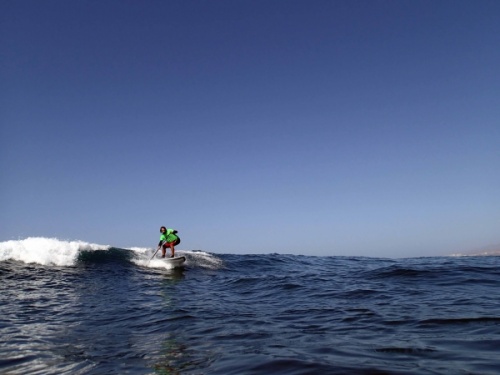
{"type": "Point", "coordinates": [176, 261]}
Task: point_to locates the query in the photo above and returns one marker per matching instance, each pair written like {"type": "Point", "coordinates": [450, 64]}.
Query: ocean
{"type": "Point", "coordinates": [71, 307]}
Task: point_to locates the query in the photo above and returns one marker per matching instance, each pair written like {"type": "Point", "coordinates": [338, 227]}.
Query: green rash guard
{"type": "Point", "coordinates": [168, 236]}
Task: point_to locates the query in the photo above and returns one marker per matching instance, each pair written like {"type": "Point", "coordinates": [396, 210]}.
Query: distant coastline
{"type": "Point", "coordinates": [493, 251]}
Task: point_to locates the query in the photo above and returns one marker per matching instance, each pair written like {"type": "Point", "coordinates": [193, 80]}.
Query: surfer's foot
{"type": "Point", "coordinates": [163, 256]}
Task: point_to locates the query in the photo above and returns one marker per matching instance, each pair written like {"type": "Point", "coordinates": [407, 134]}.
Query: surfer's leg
{"type": "Point", "coordinates": [172, 250]}
{"type": "Point", "coordinates": [163, 251]}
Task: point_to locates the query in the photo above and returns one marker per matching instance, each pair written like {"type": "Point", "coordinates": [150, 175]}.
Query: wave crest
{"type": "Point", "coordinates": [46, 251]}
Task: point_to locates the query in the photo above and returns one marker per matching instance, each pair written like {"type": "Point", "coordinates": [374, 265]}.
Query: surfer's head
{"type": "Point", "coordinates": [163, 229]}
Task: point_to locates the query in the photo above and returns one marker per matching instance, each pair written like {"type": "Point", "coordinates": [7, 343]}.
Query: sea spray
{"type": "Point", "coordinates": [46, 251]}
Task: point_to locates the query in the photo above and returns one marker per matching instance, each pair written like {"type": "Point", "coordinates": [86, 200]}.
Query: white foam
{"type": "Point", "coordinates": [46, 251]}
{"type": "Point", "coordinates": [141, 249]}
{"type": "Point", "coordinates": [202, 259]}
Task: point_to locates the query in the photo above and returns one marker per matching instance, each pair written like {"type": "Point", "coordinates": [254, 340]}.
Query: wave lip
{"type": "Point", "coordinates": [46, 251]}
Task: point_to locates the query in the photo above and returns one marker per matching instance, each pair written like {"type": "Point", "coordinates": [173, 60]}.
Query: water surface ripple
{"type": "Point", "coordinates": [251, 314]}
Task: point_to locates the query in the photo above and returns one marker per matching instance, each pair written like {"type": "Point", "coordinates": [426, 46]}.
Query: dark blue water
{"type": "Point", "coordinates": [251, 314]}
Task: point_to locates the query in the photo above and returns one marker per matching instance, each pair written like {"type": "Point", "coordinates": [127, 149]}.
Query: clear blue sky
{"type": "Point", "coordinates": [367, 128]}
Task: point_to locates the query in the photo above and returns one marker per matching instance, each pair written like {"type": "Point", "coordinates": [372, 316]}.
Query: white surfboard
{"type": "Point", "coordinates": [176, 261]}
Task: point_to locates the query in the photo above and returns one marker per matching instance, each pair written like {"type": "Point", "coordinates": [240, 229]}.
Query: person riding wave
{"type": "Point", "coordinates": [170, 239]}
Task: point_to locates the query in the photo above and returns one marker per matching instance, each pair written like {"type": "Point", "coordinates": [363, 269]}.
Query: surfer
{"type": "Point", "coordinates": [168, 238]}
